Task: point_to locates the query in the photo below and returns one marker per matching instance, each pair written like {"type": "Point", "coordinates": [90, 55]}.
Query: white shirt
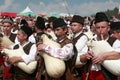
{"type": "Point", "coordinates": [32, 53]}
{"type": "Point", "coordinates": [32, 39]}
{"type": "Point", "coordinates": [116, 45]}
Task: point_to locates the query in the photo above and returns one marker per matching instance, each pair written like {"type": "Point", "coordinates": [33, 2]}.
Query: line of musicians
{"type": "Point", "coordinates": [79, 59]}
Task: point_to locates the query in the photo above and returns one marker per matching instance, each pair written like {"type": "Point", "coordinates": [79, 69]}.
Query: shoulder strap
{"type": "Point", "coordinates": [27, 47]}
{"type": "Point", "coordinates": [75, 55]}
{"type": "Point", "coordinates": [76, 39]}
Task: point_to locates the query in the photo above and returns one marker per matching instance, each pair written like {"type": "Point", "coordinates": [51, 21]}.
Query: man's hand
{"type": "Point", "coordinates": [2, 47]}
{"type": "Point", "coordinates": [89, 55]}
{"type": "Point", "coordinates": [14, 59]}
{"type": "Point", "coordinates": [98, 59]}
{"type": "Point", "coordinates": [40, 46]}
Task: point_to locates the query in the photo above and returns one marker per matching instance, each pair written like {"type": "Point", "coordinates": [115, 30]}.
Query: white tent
{"type": "Point", "coordinates": [26, 12]}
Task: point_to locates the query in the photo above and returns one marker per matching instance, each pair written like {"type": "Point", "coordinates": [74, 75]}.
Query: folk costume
{"type": "Point", "coordinates": [102, 73]}
{"type": "Point", "coordinates": [64, 53]}
{"type": "Point", "coordinates": [30, 50]}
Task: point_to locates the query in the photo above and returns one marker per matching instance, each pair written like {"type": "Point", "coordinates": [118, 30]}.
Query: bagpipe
{"type": "Point", "coordinates": [100, 47]}
{"type": "Point", "coordinates": [55, 67]}
{"type": "Point", "coordinates": [28, 68]}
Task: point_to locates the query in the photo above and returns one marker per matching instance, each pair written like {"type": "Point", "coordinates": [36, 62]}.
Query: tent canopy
{"type": "Point", "coordinates": [26, 12]}
{"type": "Point", "coordinates": [55, 15]}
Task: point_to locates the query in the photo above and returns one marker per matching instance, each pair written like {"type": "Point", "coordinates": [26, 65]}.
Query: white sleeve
{"type": "Point", "coordinates": [81, 43]}
{"type": "Point", "coordinates": [81, 46]}
{"type": "Point", "coordinates": [63, 53]}
{"type": "Point", "coordinates": [116, 45]}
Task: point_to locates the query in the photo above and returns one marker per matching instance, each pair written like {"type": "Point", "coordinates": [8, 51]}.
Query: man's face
{"type": "Point", "coordinates": [7, 27]}
{"type": "Point", "coordinates": [60, 31]}
{"type": "Point", "coordinates": [76, 27]}
{"type": "Point", "coordinates": [21, 36]}
{"type": "Point", "coordinates": [31, 24]}
{"type": "Point", "coordinates": [116, 34]}
{"type": "Point", "coordinates": [102, 28]}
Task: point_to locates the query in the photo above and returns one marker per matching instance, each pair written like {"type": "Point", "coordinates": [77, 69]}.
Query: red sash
{"type": "Point", "coordinates": [94, 75]}
{"type": "Point", "coordinates": [1, 60]}
{"type": "Point", "coordinates": [7, 73]}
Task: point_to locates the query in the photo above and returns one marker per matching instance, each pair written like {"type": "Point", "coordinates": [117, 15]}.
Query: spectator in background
{"type": "Point", "coordinates": [49, 30]}
{"type": "Point", "coordinates": [50, 20]}
{"type": "Point", "coordinates": [87, 25]}
{"type": "Point", "coordinates": [23, 22]}
{"type": "Point", "coordinates": [31, 24]}
{"type": "Point", "coordinates": [115, 29]}
{"type": "Point", "coordinates": [7, 28]}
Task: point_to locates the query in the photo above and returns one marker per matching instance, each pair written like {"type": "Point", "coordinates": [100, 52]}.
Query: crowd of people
{"type": "Point", "coordinates": [80, 61]}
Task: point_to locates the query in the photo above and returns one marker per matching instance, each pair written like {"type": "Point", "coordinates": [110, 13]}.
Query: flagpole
{"type": "Point", "coordinates": [66, 7]}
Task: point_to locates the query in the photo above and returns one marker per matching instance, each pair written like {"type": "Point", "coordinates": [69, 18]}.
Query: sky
{"type": "Point", "coordinates": [80, 7]}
